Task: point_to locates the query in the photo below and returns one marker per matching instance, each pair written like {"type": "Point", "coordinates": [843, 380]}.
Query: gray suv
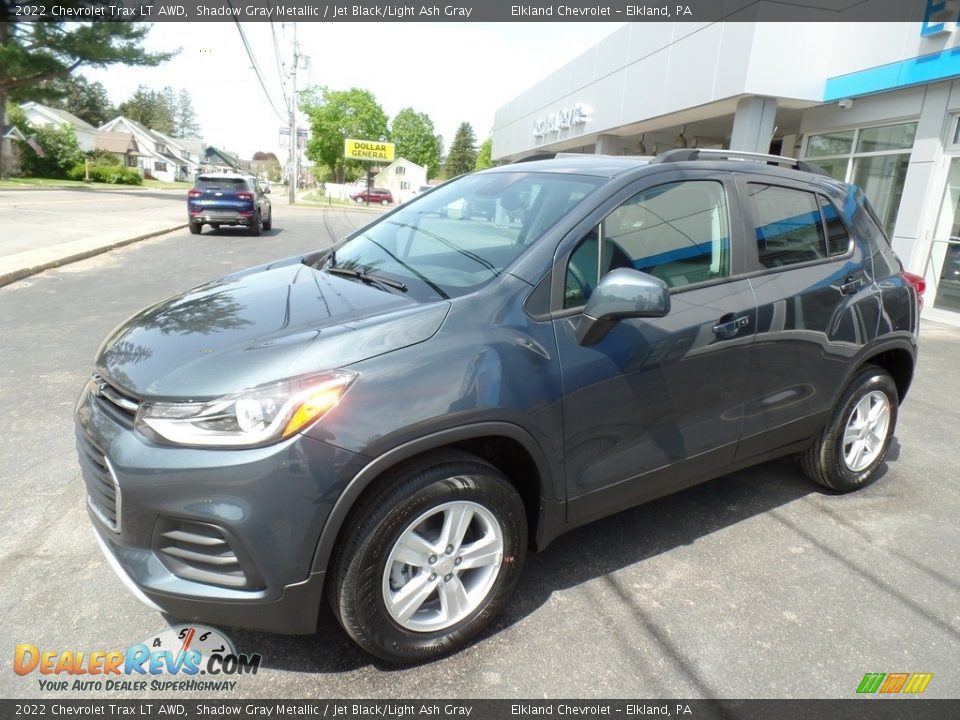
{"type": "Point", "coordinates": [391, 423]}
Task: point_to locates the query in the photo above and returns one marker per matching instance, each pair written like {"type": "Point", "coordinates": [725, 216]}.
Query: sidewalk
{"type": "Point", "coordinates": [23, 264]}
{"type": "Point", "coordinates": [43, 228]}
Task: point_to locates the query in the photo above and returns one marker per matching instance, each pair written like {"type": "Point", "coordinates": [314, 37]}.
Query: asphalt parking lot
{"type": "Point", "coordinates": [758, 584]}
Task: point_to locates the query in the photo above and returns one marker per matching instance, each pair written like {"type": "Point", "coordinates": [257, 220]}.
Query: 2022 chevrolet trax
{"type": "Point", "coordinates": [391, 423]}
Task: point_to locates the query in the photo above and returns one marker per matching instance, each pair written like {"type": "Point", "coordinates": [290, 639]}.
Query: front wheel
{"type": "Point", "coordinates": [384, 202]}
{"type": "Point", "coordinates": [853, 445]}
{"type": "Point", "coordinates": [430, 560]}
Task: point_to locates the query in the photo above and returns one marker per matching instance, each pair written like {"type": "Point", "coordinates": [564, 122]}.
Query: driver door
{"type": "Point", "coordinates": [656, 405]}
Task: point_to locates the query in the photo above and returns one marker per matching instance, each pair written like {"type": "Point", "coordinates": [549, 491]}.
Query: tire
{"type": "Point", "coordinates": [195, 228]}
{"type": "Point", "coordinates": [414, 503]}
{"type": "Point", "coordinates": [839, 459]}
{"type": "Point", "coordinates": [359, 201]}
{"type": "Point", "coordinates": [384, 202]}
{"type": "Point", "coordinates": [268, 225]}
{"type": "Point", "coordinates": [257, 227]}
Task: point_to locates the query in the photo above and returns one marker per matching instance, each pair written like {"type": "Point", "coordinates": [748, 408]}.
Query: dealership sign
{"type": "Point", "coordinates": [368, 150]}
{"type": "Point", "coordinates": [561, 120]}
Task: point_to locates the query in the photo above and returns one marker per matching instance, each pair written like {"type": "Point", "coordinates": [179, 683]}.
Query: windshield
{"type": "Point", "coordinates": [459, 237]}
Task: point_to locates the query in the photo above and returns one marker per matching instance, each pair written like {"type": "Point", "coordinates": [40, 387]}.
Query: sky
{"type": "Point", "coordinates": [454, 72]}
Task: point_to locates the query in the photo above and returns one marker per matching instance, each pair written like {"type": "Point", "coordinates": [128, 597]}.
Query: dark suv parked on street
{"type": "Point", "coordinates": [392, 422]}
{"type": "Point", "coordinates": [229, 199]}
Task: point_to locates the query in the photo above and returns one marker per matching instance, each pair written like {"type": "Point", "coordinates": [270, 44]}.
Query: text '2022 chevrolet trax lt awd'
{"type": "Point", "coordinates": [392, 422]}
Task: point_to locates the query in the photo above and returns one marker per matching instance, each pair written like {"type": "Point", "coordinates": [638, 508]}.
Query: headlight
{"type": "Point", "coordinates": [258, 416]}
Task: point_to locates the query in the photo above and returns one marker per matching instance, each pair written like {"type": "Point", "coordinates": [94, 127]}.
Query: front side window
{"type": "Point", "coordinates": [455, 239]}
{"type": "Point", "coordinates": [788, 225]}
{"type": "Point", "coordinates": [678, 232]}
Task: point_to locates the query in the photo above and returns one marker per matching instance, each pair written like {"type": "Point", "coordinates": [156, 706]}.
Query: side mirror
{"type": "Point", "coordinates": [622, 293]}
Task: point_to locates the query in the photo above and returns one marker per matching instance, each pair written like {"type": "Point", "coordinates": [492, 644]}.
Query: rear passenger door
{"type": "Point", "coordinates": [816, 308]}
{"type": "Point", "coordinates": [656, 404]}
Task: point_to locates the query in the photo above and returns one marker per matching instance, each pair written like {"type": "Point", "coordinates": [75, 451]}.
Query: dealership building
{"type": "Point", "coordinates": [876, 104]}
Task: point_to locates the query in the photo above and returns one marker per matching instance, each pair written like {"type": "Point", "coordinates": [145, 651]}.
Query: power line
{"type": "Point", "coordinates": [276, 50]}
{"type": "Point", "coordinates": [256, 66]}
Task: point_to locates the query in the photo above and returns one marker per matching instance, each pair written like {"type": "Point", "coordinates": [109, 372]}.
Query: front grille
{"type": "Point", "coordinates": [202, 553]}
{"type": "Point", "coordinates": [114, 401]}
{"type": "Point", "coordinates": [103, 490]}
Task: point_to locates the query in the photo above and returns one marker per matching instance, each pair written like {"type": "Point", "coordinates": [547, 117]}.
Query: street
{"type": "Point", "coordinates": [758, 584]}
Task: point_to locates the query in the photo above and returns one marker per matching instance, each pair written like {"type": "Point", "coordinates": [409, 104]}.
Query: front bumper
{"type": "Point", "coordinates": [220, 536]}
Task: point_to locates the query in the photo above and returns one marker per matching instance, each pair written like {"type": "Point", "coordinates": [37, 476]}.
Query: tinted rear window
{"type": "Point", "coordinates": [214, 183]}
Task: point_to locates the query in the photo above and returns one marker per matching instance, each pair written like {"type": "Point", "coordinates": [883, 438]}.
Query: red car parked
{"type": "Point", "coordinates": [373, 195]}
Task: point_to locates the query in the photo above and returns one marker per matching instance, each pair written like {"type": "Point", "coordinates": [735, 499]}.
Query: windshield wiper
{"type": "Point", "coordinates": [366, 277]}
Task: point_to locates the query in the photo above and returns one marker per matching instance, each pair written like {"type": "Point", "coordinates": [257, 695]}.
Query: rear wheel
{"type": "Point", "coordinates": [268, 224]}
{"type": "Point", "coordinates": [850, 449]}
{"type": "Point", "coordinates": [195, 228]}
{"type": "Point", "coordinates": [430, 558]}
{"type": "Point", "coordinates": [256, 227]}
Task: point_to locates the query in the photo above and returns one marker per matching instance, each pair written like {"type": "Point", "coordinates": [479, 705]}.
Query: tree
{"type": "Point", "coordinates": [416, 139]}
{"type": "Point", "coordinates": [58, 151]}
{"type": "Point", "coordinates": [32, 53]}
{"type": "Point", "coordinates": [462, 157]}
{"type": "Point", "coordinates": [185, 124]}
{"type": "Point", "coordinates": [151, 108]}
{"type": "Point", "coordinates": [484, 155]}
{"type": "Point", "coordinates": [266, 163]}
{"type": "Point", "coordinates": [336, 115]}
{"type": "Point", "coordinates": [74, 93]}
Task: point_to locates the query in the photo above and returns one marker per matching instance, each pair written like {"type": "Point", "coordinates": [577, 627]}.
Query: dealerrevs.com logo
{"type": "Point", "coordinates": [184, 653]}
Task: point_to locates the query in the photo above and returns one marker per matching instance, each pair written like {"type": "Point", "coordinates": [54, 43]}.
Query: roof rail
{"type": "Point", "coordinates": [686, 154]}
{"type": "Point", "coordinates": [534, 158]}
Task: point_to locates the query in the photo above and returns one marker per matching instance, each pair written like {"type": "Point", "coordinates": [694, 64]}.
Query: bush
{"type": "Point", "coordinates": [61, 152]}
{"type": "Point", "coordinates": [106, 173]}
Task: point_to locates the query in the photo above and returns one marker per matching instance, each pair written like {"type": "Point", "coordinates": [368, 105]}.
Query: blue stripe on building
{"type": "Point", "coordinates": [914, 71]}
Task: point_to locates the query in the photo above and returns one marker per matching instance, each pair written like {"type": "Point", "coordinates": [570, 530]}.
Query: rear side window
{"type": "Point", "coordinates": [789, 229]}
{"type": "Point", "coordinates": [838, 240]}
{"type": "Point", "coordinates": [215, 183]}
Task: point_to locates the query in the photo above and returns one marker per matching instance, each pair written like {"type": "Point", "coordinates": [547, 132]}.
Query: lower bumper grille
{"type": "Point", "coordinates": [103, 490]}
{"type": "Point", "coordinates": [203, 553]}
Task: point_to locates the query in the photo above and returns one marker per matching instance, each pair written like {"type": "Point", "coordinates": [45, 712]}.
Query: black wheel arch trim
{"type": "Point", "coordinates": [872, 351]}
{"type": "Point", "coordinates": [552, 511]}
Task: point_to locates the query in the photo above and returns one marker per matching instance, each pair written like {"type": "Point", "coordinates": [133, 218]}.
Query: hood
{"type": "Point", "coordinates": [259, 326]}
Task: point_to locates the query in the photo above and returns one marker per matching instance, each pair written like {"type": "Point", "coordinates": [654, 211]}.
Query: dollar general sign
{"type": "Point", "coordinates": [368, 150]}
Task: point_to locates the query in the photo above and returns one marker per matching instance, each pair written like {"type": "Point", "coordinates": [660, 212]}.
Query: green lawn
{"type": "Point", "coordinates": [52, 183]}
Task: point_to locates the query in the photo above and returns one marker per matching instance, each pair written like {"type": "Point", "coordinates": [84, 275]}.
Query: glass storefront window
{"type": "Point", "coordinates": [945, 249]}
{"type": "Point", "coordinates": [838, 143]}
{"type": "Point", "coordinates": [889, 137]}
{"type": "Point", "coordinates": [881, 178]}
{"type": "Point", "coordinates": [835, 167]}
{"type": "Point", "coordinates": [875, 158]}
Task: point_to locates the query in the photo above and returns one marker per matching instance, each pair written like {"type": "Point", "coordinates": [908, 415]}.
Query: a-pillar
{"type": "Point", "coordinates": [753, 124]}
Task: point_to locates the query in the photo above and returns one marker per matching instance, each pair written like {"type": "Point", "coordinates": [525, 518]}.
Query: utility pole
{"type": "Point", "coordinates": [294, 170]}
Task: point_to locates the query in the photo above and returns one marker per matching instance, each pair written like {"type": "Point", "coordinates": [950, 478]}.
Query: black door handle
{"type": "Point", "coordinates": [730, 328]}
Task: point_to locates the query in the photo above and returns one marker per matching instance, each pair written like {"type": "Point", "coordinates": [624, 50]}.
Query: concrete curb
{"type": "Point", "coordinates": [32, 268]}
